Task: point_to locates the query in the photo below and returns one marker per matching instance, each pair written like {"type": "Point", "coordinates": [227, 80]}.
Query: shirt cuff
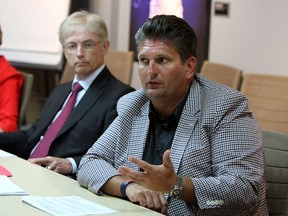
{"type": "Point", "coordinates": [74, 165]}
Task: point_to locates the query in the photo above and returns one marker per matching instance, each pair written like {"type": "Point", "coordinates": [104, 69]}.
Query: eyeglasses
{"type": "Point", "coordinates": [87, 46]}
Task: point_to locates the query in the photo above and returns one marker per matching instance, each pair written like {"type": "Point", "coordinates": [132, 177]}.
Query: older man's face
{"type": "Point", "coordinates": [84, 52]}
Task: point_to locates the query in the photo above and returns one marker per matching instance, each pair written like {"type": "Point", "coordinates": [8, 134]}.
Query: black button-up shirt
{"type": "Point", "coordinates": [161, 134]}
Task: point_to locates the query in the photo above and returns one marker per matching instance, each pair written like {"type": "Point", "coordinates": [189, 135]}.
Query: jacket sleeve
{"type": "Point", "coordinates": [235, 143]}
{"type": "Point", "coordinates": [10, 90]}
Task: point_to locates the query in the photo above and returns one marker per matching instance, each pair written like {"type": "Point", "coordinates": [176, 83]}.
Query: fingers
{"type": "Point", "coordinates": [158, 202]}
{"type": "Point", "coordinates": [60, 165]}
{"type": "Point", "coordinates": [164, 204]}
{"type": "Point", "coordinates": [147, 198]}
{"type": "Point", "coordinates": [48, 164]}
{"type": "Point", "coordinates": [153, 200]}
{"type": "Point", "coordinates": [149, 167]}
{"type": "Point", "coordinates": [42, 162]}
{"type": "Point", "coordinates": [131, 174]}
{"type": "Point", "coordinates": [141, 163]}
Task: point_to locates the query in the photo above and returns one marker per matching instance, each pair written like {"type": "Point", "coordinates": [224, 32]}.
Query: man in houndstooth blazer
{"type": "Point", "coordinates": [182, 145]}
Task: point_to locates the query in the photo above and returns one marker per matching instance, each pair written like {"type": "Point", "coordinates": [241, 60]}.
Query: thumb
{"type": "Point", "coordinates": [166, 159]}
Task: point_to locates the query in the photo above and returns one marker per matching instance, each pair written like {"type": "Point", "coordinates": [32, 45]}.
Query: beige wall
{"type": "Point", "coordinates": [117, 16]}
{"type": "Point", "coordinates": [254, 37]}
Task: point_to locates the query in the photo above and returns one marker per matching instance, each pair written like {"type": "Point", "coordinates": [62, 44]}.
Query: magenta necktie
{"type": "Point", "coordinates": [51, 133]}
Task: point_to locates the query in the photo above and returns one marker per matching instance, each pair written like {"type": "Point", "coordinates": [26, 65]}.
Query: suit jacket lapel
{"type": "Point", "coordinates": [139, 132]}
{"type": "Point", "coordinates": [186, 125]}
{"type": "Point", "coordinates": [57, 105]}
{"type": "Point", "coordinates": [96, 89]}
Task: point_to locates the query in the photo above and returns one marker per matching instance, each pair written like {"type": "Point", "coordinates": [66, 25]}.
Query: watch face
{"type": "Point", "coordinates": [176, 192]}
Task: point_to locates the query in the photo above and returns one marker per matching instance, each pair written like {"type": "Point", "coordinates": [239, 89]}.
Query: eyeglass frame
{"type": "Point", "coordinates": [86, 45]}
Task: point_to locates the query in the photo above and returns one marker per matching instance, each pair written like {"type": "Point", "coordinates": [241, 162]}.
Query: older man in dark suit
{"type": "Point", "coordinates": [85, 42]}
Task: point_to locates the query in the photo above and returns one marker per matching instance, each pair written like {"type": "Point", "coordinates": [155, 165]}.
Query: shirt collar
{"type": "Point", "coordinates": [88, 80]}
{"type": "Point", "coordinates": [173, 119]}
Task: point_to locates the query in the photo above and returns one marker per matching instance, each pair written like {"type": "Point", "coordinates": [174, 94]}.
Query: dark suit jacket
{"type": "Point", "coordinates": [93, 114]}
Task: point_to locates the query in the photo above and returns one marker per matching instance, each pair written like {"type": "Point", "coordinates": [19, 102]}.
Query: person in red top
{"type": "Point", "coordinates": [11, 82]}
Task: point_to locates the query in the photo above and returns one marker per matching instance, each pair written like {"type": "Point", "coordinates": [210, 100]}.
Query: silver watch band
{"type": "Point", "coordinates": [178, 188]}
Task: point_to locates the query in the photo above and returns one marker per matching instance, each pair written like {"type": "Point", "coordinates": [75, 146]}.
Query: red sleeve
{"type": "Point", "coordinates": [11, 82]}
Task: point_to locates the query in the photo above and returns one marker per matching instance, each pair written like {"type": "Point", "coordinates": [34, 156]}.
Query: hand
{"type": "Point", "coordinates": [147, 198]}
{"type": "Point", "coordinates": [159, 178]}
{"type": "Point", "coordinates": [59, 165]}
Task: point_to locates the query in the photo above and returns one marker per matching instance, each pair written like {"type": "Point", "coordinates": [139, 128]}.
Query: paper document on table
{"type": "Point", "coordinates": [8, 188]}
{"type": "Point", "coordinates": [6, 154]}
{"type": "Point", "coordinates": [66, 205]}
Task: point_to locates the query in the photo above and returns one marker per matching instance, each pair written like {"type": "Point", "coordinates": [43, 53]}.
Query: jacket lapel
{"type": "Point", "coordinates": [95, 91]}
{"type": "Point", "coordinates": [139, 132]}
{"type": "Point", "coordinates": [57, 105]}
{"type": "Point", "coordinates": [186, 125]}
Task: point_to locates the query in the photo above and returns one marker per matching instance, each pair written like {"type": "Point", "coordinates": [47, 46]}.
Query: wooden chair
{"type": "Point", "coordinates": [67, 74]}
{"type": "Point", "coordinates": [268, 99]}
{"type": "Point", "coordinates": [120, 63]}
{"type": "Point", "coordinates": [25, 96]}
{"type": "Point", "coordinates": [276, 171]}
{"type": "Point", "coordinates": [221, 73]}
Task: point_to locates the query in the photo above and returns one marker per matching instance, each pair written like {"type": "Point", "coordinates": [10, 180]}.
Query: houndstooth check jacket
{"type": "Point", "coordinates": [217, 144]}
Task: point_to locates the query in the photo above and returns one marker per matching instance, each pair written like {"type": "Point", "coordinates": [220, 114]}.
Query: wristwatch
{"type": "Point", "coordinates": [176, 191]}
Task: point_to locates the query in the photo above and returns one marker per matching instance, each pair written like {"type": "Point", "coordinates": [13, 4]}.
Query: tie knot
{"type": "Point", "coordinates": [77, 87]}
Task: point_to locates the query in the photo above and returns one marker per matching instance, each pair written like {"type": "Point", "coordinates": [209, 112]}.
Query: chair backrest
{"type": "Point", "coordinates": [268, 99]}
{"type": "Point", "coordinates": [221, 73]}
{"type": "Point", "coordinates": [120, 63]}
{"type": "Point", "coordinates": [67, 74]}
{"type": "Point", "coordinates": [25, 96]}
{"type": "Point", "coordinates": [276, 171]}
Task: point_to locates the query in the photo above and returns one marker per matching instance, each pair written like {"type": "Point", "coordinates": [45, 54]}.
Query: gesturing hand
{"type": "Point", "coordinates": [159, 178]}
